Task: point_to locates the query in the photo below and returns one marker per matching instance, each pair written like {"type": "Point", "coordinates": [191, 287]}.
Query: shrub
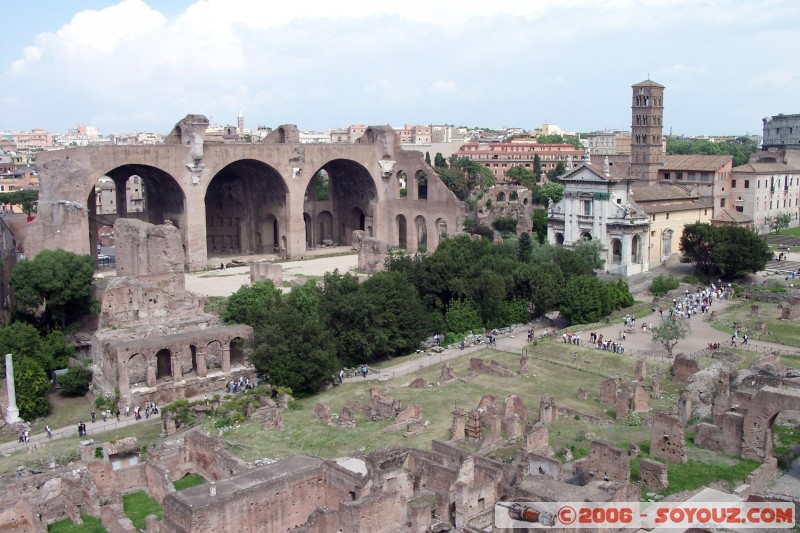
{"type": "Point", "coordinates": [76, 381]}
{"type": "Point", "coordinates": [663, 284]}
{"type": "Point", "coordinates": [505, 224]}
{"type": "Point", "coordinates": [484, 231]}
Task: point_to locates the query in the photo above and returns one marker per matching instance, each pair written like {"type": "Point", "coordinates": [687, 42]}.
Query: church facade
{"type": "Point", "coordinates": [598, 205]}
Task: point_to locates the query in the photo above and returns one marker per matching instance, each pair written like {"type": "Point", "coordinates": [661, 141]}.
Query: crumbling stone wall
{"type": "Point", "coordinates": [726, 438]}
{"type": "Point", "coordinates": [262, 271]}
{"type": "Point", "coordinates": [604, 463]}
{"type": "Point", "coordinates": [667, 441]}
{"type": "Point", "coordinates": [477, 365]}
{"type": "Point", "coordinates": [653, 474]}
{"type": "Point", "coordinates": [683, 367]}
{"type": "Point", "coordinates": [372, 253]}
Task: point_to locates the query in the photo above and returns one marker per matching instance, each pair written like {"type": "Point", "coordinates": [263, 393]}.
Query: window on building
{"type": "Point", "coordinates": [746, 184]}
{"type": "Point", "coordinates": [733, 184]}
{"type": "Point", "coordinates": [740, 208]}
{"type": "Point", "coordinates": [667, 216]}
{"type": "Point", "coordinates": [705, 212]}
{"type": "Point", "coordinates": [666, 175]}
{"type": "Point", "coordinates": [679, 175]}
{"type": "Point", "coordinates": [722, 202]}
{"type": "Point", "coordinates": [586, 207]}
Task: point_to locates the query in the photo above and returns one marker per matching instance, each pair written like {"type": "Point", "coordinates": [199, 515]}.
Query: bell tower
{"type": "Point", "coordinates": [647, 113]}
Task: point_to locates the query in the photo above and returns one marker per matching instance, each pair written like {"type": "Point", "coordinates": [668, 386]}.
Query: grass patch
{"type": "Point", "coordinates": [793, 232]}
{"type": "Point", "coordinates": [695, 474]}
{"type": "Point", "coordinates": [138, 505]}
{"type": "Point", "coordinates": [189, 480]}
{"type": "Point", "coordinates": [216, 304]}
{"type": "Point", "coordinates": [786, 447]}
{"type": "Point", "coordinates": [90, 525]}
{"type": "Point", "coordinates": [65, 450]}
{"type": "Point", "coordinates": [767, 326]}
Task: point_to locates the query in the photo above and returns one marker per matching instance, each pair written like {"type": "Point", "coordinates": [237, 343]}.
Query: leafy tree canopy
{"type": "Point", "coordinates": [728, 250]}
{"type": "Point", "coordinates": [26, 199]}
{"type": "Point", "coordinates": [551, 191]}
{"type": "Point", "coordinates": [741, 148]}
{"type": "Point", "coordinates": [522, 175]}
{"type": "Point", "coordinates": [32, 388]}
{"type": "Point", "coordinates": [439, 161]}
{"type": "Point", "coordinates": [556, 138]}
{"type": "Point", "coordinates": [76, 381]}
{"type": "Point", "coordinates": [670, 331]}
{"type": "Point", "coordinates": [58, 281]}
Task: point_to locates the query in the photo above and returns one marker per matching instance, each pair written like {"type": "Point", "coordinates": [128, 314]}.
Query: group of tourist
{"type": "Point", "coordinates": [243, 383]}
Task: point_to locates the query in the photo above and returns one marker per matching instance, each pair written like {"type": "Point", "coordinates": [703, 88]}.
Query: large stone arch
{"type": "Point", "coordinates": [420, 232]}
{"type": "Point", "coordinates": [763, 409]}
{"type": "Point", "coordinates": [402, 232]}
{"type": "Point", "coordinates": [351, 200]}
{"type": "Point", "coordinates": [163, 362]}
{"type": "Point", "coordinates": [167, 200]}
{"type": "Point", "coordinates": [136, 367]}
{"type": "Point", "coordinates": [245, 205]}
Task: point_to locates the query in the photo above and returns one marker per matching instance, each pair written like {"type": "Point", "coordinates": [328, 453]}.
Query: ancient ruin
{"type": "Point", "coordinates": [249, 198]}
{"type": "Point", "coordinates": [154, 341]}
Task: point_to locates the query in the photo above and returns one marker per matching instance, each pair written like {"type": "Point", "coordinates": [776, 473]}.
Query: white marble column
{"type": "Point", "coordinates": [12, 413]}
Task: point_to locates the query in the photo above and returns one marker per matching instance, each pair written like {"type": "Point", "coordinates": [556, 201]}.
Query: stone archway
{"type": "Point", "coordinates": [402, 235]}
{"type": "Point", "coordinates": [422, 185]}
{"type": "Point", "coordinates": [214, 355]}
{"type": "Point", "coordinates": [245, 208]}
{"type": "Point", "coordinates": [501, 196]}
{"type": "Point", "coordinates": [762, 411]}
{"type": "Point", "coordinates": [137, 370]}
{"type": "Point", "coordinates": [421, 232]}
{"type": "Point", "coordinates": [586, 236]}
{"type": "Point", "coordinates": [122, 193]}
{"type": "Point", "coordinates": [636, 249]}
{"type": "Point", "coordinates": [163, 365]}
{"type": "Point", "coordinates": [350, 201]}
{"type": "Point", "coordinates": [237, 352]}
{"type": "Point", "coordinates": [616, 251]}
{"type": "Point", "coordinates": [560, 239]}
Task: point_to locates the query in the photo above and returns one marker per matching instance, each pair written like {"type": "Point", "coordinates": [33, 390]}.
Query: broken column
{"type": "Point", "coordinates": [12, 413]}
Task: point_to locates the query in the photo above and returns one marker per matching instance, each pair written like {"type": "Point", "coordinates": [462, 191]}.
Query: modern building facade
{"type": "Point", "coordinates": [499, 157]}
{"type": "Point", "coordinates": [669, 208]}
{"type": "Point", "coordinates": [763, 191]}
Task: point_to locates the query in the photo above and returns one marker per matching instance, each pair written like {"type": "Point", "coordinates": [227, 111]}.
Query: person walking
{"type": "Point", "coordinates": [93, 417]}
{"type": "Point", "coordinates": [48, 431]}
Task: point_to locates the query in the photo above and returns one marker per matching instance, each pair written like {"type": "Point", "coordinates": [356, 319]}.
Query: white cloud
{"type": "Point", "coordinates": [310, 62]}
{"type": "Point", "coordinates": [443, 86]}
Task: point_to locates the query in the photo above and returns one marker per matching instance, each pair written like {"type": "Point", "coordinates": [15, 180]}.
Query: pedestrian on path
{"type": "Point", "coordinates": [104, 414]}
{"type": "Point", "coordinates": [47, 430]}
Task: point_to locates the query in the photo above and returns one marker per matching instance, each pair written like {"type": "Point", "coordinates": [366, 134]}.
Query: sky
{"type": "Point", "coordinates": [142, 65]}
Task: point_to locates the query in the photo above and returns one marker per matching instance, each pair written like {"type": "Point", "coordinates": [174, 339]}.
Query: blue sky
{"type": "Point", "coordinates": [142, 65]}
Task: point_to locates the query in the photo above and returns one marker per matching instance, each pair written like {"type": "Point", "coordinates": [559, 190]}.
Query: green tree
{"type": "Point", "coordinates": [32, 388]}
{"type": "Point", "coordinates": [696, 246]}
{"type": "Point", "coordinates": [738, 251]}
{"type": "Point", "coordinates": [59, 282]}
{"type": "Point", "coordinates": [663, 284]}
{"type": "Point", "coordinates": [76, 381]}
{"type": "Point", "coordinates": [21, 340]}
{"type": "Point", "coordinates": [727, 250]}
{"type": "Point", "coordinates": [291, 343]}
{"type": "Point", "coordinates": [455, 180]}
{"type": "Point", "coordinates": [428, 158]}
{"type": "Point", "coordinates": [478, 175]}
{"type": "Point", "coordinates": [540, 224]}
{"type": "Point", "coordinates": [537, 167]}
{"type": "Point", "coordinates": [590, 253]}
{"type": "Point", "coordinates": [524, 247]}
{"type": "Point", "coordinates": [551, 191]}
{"type": "Point", "coordinates": [554, 173]}
{"type": "Point", "coordinates": [26, 199]}
{"type": "Point", "coordinates": [522, 175]}
{"type": "Point", "coordinates": [740, 148]}
{"type": "Point", "coordinates": [670, 331]}
{"type": "Point", "coordinates": [584, 300]}
{"type": "Point", "coordinates": [321, 186]}
{"type": "Point", "coordinates": [556, 138]}
{"type": "Point", "coordinates": [439, 161]}
{"type": "Point", "coordinates": [253, 305]}
{"type": "Point", "coordinates": [779, 222]}
{"type": "Point", "coordinates": [462, 317]}
{"type": "Point", "coordinates": [505, 224]}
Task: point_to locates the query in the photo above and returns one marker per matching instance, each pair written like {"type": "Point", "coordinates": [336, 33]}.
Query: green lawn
{"type": "Point", "coordinates": [138, 505]}
{"type": "Point", "coordinates": [189, 480]}
{"type": "Point", "coordinates": [766, 326]}
{"type": "Point", "coordinates": [794, 232]}
{"type": "Point", "coordinates": [90, 525]}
